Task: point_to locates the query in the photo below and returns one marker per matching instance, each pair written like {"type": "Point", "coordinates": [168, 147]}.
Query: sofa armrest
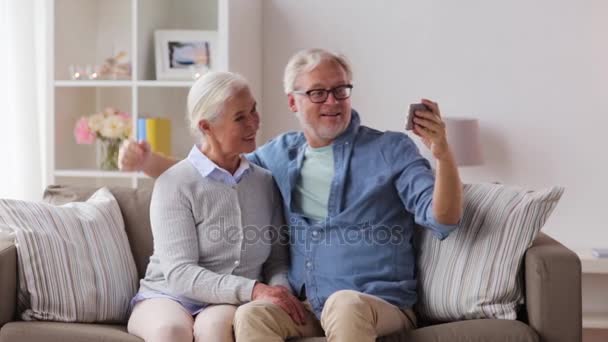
{"type": "Point", "coordinates": [553, 291]}
{"type": "Point", "coordinates": [8, 281]}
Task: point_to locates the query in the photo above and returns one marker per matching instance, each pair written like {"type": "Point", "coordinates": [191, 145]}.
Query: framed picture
{"type": "Point", "coordinates": [184, 55]}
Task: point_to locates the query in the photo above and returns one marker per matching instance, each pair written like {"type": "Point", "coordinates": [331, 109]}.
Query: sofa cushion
{"type": "Point", "coordinates": [74, 261]}
{"type": "Point", "coordinates": [480, 330]}
{"type": "Point", "coordinates": [65, 332]}
{"type": "Point", "coordinates": [134, 206]}
{"type": "Point", "coordinates": [475, 272]}
{"type": "Point", "coordinates": [466, 331]}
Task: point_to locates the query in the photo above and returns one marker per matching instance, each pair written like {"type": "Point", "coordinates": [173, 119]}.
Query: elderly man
{"type": "Point", "coordinates": [351, 196]}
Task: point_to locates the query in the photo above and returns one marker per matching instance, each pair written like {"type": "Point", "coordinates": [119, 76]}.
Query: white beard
{"type": "Point", "coordinates": [323, 132]}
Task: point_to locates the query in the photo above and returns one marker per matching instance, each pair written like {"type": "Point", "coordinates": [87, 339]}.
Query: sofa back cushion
{"type": "Point", "coordinates": [476, 271]}
{"type": "Point", "coordinates": [74, 260]}
{"type": "Point", "coordinates": [134, 206]}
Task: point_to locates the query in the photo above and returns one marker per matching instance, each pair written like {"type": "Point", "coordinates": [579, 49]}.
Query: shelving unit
{"type": "Point", "coordinates": [595, 290]}
{"type": "Point", "coordinates": [98, 174]}
{"type": "Point", "coordinates": [595, 321]}
{"type": "Point", "coordinates": [81, 83]}
{"type": "Point", "coordinates": [169, 84]}
{"type": "Point", "coordinates": [86, 32]}
{"type": "Point", "coordinates": [591, 264]}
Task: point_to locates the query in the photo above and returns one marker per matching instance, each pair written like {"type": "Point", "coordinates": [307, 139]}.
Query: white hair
{"type": "Point", "coordinates": [306, 60]}
{"type": "Point", "coordinates": [208, 95]}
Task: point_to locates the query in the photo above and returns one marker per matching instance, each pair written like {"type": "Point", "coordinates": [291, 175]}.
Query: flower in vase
{"type": "Point", "coordinates": [82, 132]}
{"type": "Point", "coordinates": [109, 127]}
{"type": "Point", "coordinates": [114, 127]}
{"type": "Point", "coordinates": [107, 124]}
{"type": "Point", "coordinates": [96, 122]}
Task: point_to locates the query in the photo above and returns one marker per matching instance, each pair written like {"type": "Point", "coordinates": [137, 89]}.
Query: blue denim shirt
{"type": "Point", "coordinates": [381, 188]}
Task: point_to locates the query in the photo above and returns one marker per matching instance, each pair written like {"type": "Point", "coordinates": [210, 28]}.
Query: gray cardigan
{"type": "Point", "coordinates": [213, 241]}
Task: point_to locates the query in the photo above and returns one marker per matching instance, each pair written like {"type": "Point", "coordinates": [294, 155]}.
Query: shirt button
{"type": "Point", "coordinates": [315, 233]}
{"type": "Point", "coordinates": [236, 263]}
{"type": "Point", "coordinates": [309, 264]}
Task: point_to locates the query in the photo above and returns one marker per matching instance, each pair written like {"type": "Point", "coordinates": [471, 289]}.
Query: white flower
{"type": "Point", "coordinates": [128, 129]}
{"type": "Point", "coordinates": [114, 127]}
{"type": "Point", "coordinates": [96, 122]}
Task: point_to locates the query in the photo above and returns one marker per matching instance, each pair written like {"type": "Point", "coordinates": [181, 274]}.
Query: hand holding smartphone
{"type": "Point", "coordinates": [410, 117]}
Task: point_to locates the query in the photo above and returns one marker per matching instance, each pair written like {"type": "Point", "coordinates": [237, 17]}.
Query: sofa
{"type": "Point", "coordinates": [552, 273]}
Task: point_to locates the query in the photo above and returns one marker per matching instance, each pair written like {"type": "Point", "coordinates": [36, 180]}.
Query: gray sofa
{"type": "Point", "coordinates": [552, 278]}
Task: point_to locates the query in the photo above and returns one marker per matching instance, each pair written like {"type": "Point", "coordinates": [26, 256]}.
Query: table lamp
{"type": "Point", "coordinates": [464, 140]}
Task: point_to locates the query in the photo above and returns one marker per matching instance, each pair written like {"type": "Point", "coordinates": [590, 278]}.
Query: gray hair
{"type": "Point", "coordinates": [208, 95]}
{"type": "Point", "coordinates": [306, 60]}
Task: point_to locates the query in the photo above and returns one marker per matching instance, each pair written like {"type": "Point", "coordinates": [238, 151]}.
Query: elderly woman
{"type": "Point", "coordinates": [215, 221]}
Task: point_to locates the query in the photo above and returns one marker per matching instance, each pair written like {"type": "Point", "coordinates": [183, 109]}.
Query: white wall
{"type": "Point", "coordinates": [534, 72]}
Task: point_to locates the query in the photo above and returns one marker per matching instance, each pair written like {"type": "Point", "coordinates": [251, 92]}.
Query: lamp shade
{"type": "Point", "coordinates": [463, 137]}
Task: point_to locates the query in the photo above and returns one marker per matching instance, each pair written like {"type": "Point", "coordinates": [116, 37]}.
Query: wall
{"type": "Point", "coordinates": [535, 73]}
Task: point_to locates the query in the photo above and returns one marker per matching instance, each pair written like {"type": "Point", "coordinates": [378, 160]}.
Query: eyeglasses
{"type": "Point", "coordinates": [320, 95]}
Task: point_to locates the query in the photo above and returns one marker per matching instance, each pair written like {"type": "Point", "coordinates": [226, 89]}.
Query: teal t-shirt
{"type": "Point", "coordinates": [311, 192]}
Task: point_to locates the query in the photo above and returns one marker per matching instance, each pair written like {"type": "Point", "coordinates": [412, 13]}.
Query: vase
{"type": "Point", "coordinates": [108, 154]}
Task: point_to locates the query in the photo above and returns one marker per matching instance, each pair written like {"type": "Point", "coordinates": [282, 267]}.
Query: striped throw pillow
{"type": "Point", "coordinates": [75, 264]}
{"type": "Point", "coordinates": [475, 272]}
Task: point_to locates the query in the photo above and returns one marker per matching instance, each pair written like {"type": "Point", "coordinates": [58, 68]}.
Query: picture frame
{"type": "Point", "coordinates": [184, 54]}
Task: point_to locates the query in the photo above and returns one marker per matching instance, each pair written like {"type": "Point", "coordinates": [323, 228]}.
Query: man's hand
{"type": "Point", "coordinates": [132, 155]}
{"type": "Point", "coordinates": [282, 297]}
{"type": "Point", "coordinates": [447, 195]}
{"type": "Point", "coordinates": [429, 126]}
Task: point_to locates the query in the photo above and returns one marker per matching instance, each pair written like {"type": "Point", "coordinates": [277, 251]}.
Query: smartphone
{"type": "Point", "coordinates": [410, 117]}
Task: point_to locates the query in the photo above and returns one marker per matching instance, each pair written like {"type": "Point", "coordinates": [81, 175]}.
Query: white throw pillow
{"type": "Point", "coordinates": [75, 264]}
{"type": "Point", "coordinates": [6, 234]}
{"type": "Point", "coordinates": [475, 272]}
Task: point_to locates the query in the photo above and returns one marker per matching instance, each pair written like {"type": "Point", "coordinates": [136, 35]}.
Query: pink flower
{"type": "Point", "coordinates": [82, 133]}
{"type": "Point", "coordinates": [125, 116]}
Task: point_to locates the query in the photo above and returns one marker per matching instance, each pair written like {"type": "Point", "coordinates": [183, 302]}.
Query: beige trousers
{"type": "Point", "coordinates": [162, 320]}
{"type": "Point", "coordinates": [348, 316]}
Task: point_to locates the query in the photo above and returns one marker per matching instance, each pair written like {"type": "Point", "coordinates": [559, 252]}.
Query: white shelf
{"type": "Point", "coordinates": [595, 320]}
{"type": "Point", "coordinates": [123, 83]}
{"type": "Point", "coordinates": [166, 84]}
{"type": "Point", "coordinates": [98, 174]}
{"type": "Point", "coordinates": [591, 264]}
{"type": "Point", "coordinates": [101, 83]}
